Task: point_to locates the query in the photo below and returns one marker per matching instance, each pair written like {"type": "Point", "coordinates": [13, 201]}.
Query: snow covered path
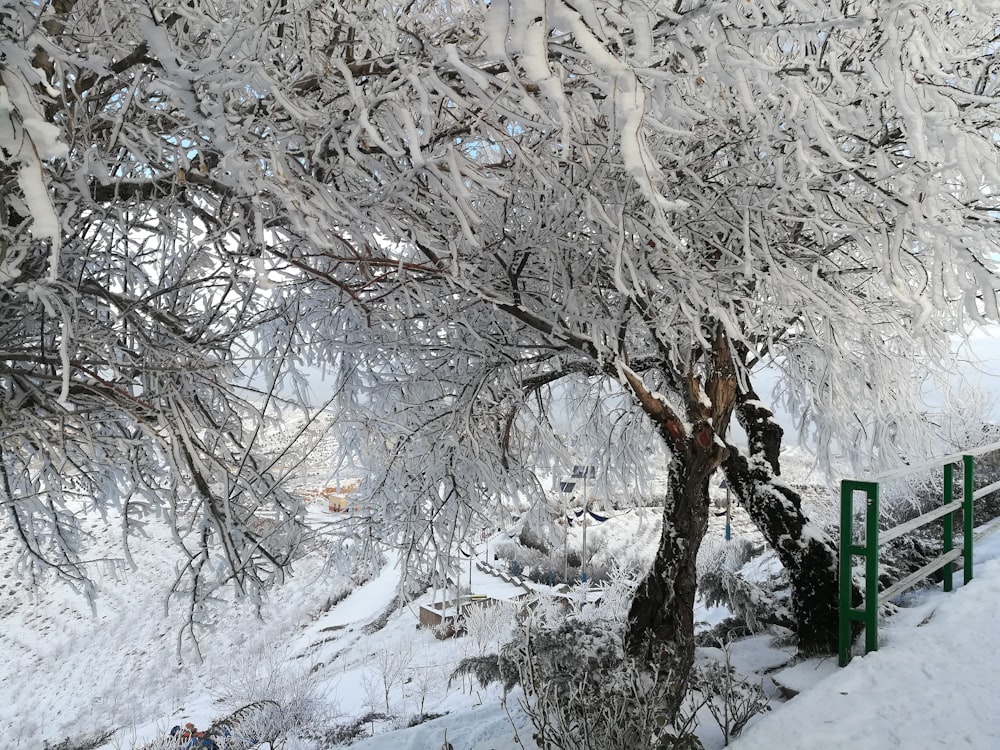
{"type": "Point", "coordinates": [932, 684]}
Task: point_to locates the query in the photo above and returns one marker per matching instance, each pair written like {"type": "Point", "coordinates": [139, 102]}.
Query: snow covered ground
{"type": "Point", "coordinates": [933, 683]}
{"type": "Point", "coordinates": [127, 664]}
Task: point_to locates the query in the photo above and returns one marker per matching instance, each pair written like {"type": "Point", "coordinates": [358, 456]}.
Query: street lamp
{"type": "Point", "coordinates": [584, 472]}
{"type": "Point", "coordinates": [566, 488]}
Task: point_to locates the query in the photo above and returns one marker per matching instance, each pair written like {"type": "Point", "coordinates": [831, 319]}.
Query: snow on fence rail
{"type": "Point", "coordinates": [867, 548]}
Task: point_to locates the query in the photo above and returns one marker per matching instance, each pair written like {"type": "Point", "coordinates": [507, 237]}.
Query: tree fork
{"type": "Point", "coordinates": [660, 630]}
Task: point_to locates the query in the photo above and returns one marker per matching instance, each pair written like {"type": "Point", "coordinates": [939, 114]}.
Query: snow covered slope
{"type": "Point", "coordinates": [129, 664]}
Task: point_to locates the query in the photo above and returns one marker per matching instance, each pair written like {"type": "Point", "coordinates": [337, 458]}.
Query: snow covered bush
{"type": "Point", "coordinates": [82, 743]}
{"type": "Point", "coordinates": [730, 699]}
{"type": "Point", "coordinates": [487, 626]}
{"type": "Point", "coordinates": [986, 467]}
{"type": "Point", "coordinates": [757, 595]}
{"type": "Point", "coordinates": [922, 492]}
{"type": "Point", "coordinates": [903, 501]}
{"type": "Point", "coordinates": [269, 695]}
{"type": "Point", "coordinates": [390, 668]}
{"type": "Point", "coordinates": [422, 684]}
{"type": "Point", "coordinates": [582, 692]}
{"type": "Point", "coordinates": [531, 539]}
{"type": "Point", "coordinates": [556, 566]}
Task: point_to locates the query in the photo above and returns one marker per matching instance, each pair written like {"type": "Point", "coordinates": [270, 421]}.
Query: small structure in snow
{"type": "Point", "coordinates": [338, 498]}
{"type": "Point", "coordinates": [446, 617]}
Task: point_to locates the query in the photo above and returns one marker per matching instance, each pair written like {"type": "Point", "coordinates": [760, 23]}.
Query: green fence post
{"type": "Point", "coordinates": [871, 568]}
{"type": "Point", "coordinates": [967, 519]}
{"type": "Point", "coordinates": [868, 616]}
{"type": "Point", "coordinates": [846, 582]}
{"type": "Point", "coordinates": [947, 523]}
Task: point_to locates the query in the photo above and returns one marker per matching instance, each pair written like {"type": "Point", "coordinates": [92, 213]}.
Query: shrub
{"type": "Point", "coordinates": [730, 699]}
{"type": "Point", "coordinates": [82, 743]}
{"type": "Point", "coordinates": [531, 540]}
{"type": "Point", "coordinates": [346, 733]}
{"type": "Point", "coordinates": [269, 695]}
{"type": "Point", "coordinates": [755, 604]}
{"type": "Point", "coordinates": [537, 565]}
{"type": "Point", "coordinates": [582, 693]}
{"type": "Point", "coordinates": [910, 552]}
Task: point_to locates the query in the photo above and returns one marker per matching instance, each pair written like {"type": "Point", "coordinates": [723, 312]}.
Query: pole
{"type": "Point", "coordinates": [583, 561]}
{"type": "Point", "coordinates": [729, 534]}
{"type": "Point", "coordinates": [584, 472]}
{"type": "Point", "coordinates": [565, 542]}
{"type": "Point", "coordinates": [566, 488]}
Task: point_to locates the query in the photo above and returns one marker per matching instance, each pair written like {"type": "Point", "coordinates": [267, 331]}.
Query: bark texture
{"type": "Point", "coordinates": [806, 552]}
{"type": "Point", "coordinates": [661, 619]}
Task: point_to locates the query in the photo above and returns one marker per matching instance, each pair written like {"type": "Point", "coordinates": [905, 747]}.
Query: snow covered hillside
{"type": "Point", "coordinates": [118, 674]}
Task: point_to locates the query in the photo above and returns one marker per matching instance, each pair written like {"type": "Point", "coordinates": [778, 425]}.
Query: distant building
{"type": "Point", "coordinates": [338, 498]}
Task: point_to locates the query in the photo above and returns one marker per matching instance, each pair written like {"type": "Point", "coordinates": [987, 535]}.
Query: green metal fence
{"type": "Point", "coordinates": [867, 547]}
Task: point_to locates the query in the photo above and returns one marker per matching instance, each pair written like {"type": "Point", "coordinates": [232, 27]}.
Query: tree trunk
{"type": "Point", "coordinates": [808, 554]}
{"type": "Point", "coordinates": [661, 619]}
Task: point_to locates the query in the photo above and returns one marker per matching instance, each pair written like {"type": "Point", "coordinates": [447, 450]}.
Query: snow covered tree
{"type": "Point", "coordinates": [493, 207]}
{"type": "Point", "coordinates": [124, 319]}
{"type": "Point", "coordinates": [651, 202]}
{"type": "Point", "coordinates": [662, 199]}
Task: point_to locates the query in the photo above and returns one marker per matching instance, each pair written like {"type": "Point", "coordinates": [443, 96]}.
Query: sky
{"type": "Point", "coordinates": [977, 365]}
{"type": "Point", "coordinates": [979, 361]}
